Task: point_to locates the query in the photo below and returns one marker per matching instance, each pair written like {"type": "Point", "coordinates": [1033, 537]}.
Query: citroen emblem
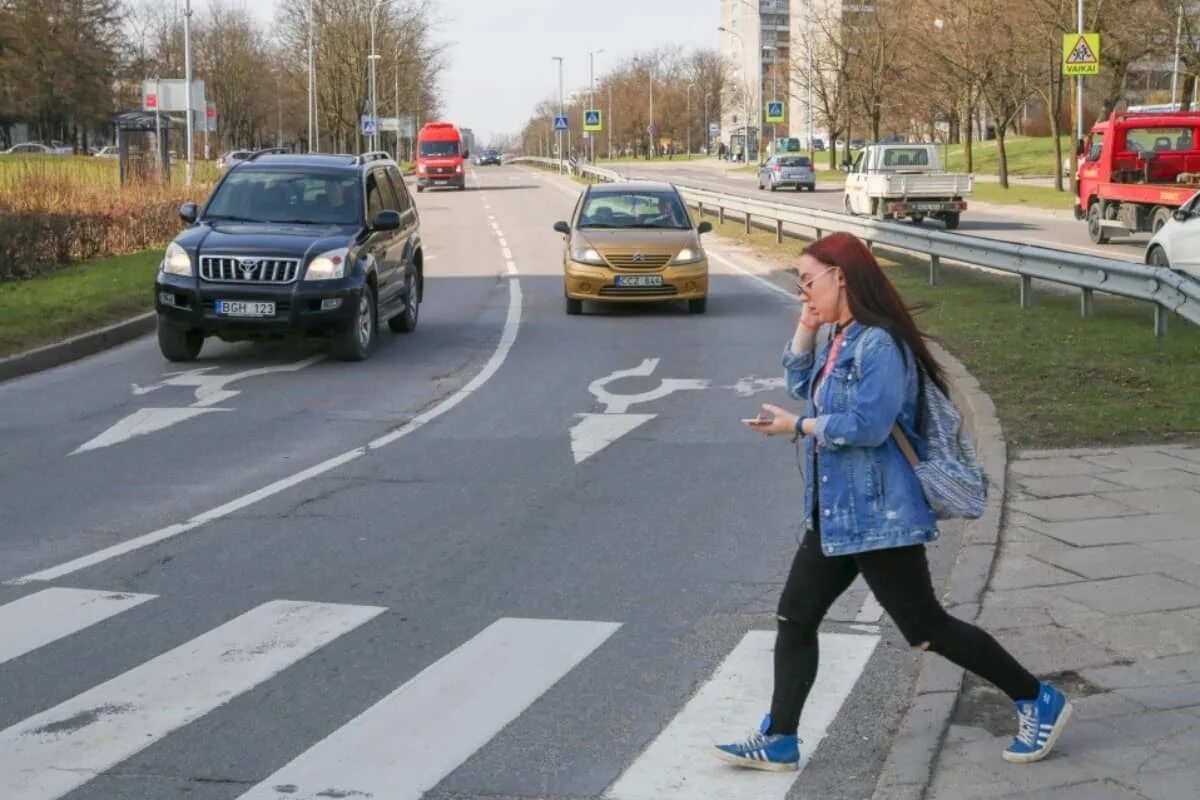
{"type": "Point", "coordinates": [638, 258]}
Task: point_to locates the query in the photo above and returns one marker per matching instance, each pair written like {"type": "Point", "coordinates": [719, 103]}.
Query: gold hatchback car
{"type": "Point", "coordinates": [633, 243]}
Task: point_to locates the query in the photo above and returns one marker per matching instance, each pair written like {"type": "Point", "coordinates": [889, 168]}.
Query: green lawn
{"type": "Point", "coordinates": [1027, 155]}
{"type": "Point", "coordinates": [1057, 379]}
{"type": "Point", "coordinates": [75, 300]}
{"type": "Point", "coordinates": [1021, 194]}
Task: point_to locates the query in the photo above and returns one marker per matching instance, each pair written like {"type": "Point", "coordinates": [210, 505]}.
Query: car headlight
{"type": "Point", "coordinates": [328, 266]}
{"type": "Point", "coordinates": [176, 261]}
{"type": "Point", "coordinates": [688, 255]}
{"type": "Point", "coordinates": [420, 167]}
{"type": "Point", "coordinates": [586, 255]}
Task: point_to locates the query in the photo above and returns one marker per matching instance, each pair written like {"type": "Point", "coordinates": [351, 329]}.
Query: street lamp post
{"type": "Point", "coordinates": [650, 128]}
{"type": "Point", "coordinates": [688, 126]}
{"type": "Point", "coordinates": [558, 137]}
{"type": "Point", "coordinates": [592, 98]}
{"type": "Point", "coordinates": [808, 47]}
{"type": "Point", "coordinates": [312, 83]}
{"type": "Point", "coordinates": [707, 134]}
{"type": "Point", "coordinates": [610, 121]}
{"type": "Point", "coordinates": [745, 96]}
{"type": "Point", "coordinates": [372, 58]}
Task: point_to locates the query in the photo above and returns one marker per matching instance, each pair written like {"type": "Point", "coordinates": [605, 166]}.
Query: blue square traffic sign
{"type": "Point", "coordinates": [560, 122]}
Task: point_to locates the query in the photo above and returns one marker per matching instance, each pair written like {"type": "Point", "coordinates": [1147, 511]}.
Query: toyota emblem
{"type": "Point", "coordinates": [248, 266]}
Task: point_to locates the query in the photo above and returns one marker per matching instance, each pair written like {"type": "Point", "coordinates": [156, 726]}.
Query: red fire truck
{"type": "Point", "coordinates": [1135, 170]}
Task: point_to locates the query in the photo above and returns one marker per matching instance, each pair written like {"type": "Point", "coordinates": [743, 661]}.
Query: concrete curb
{"type": "Point", "coordinates": [909, 767]}
{"type": "Point", "coordinates": [85, 344]}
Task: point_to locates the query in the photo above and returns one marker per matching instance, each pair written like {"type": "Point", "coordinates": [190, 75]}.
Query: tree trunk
{"type": "Point", "coordinates": [1189, 88]}
{"type": "Point", "coordinates": [1055, 108]}
{"type": "Point", "coordinates": [1002, 154]}
{"type": "Point", "coordinates": [969, 137]}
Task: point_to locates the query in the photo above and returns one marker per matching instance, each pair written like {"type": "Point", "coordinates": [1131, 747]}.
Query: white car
{"type": "Point", "coordinates": [108, 152]}
{"type": "Point", "coordinates": [1177, 243]}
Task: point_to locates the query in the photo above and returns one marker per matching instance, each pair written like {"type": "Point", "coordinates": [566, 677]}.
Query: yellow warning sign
{"type": "Point", "coordinates": [1081, 53]}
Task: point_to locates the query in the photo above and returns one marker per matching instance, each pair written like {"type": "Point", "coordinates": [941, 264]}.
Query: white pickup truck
{"type": "Point", "coordinates": [893, 181]}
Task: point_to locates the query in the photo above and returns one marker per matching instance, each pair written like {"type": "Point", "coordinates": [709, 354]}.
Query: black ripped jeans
{"type": "Point", "coordinates": [899, 578]}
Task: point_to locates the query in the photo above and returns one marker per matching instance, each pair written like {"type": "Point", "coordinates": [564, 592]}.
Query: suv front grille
{"type": "Point", "coordinates": [637, 260]}
{"type": "Point", "coordinates": [248, 269]}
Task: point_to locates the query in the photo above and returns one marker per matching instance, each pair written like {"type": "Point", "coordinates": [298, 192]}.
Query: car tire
{"type": "Point", "coordinates": [420, 188]}
{"type": "Point", "coordinates": [1162, 215]}
{"type": "Point", "coordinates": [1095, 230]}
{"type": "Point", "coordinates": [178, 344]}
{"type": "Point", "coordinates": [574, 306]}
{"type": "Point", "coordinates": [355, 342]}
{"type": "Point", "coordinates": [1157, 257]}
{"type": "Point", "coordinates": [950, 219]}
{"type": "Point", "coordinates": [760, 186]}
{"type": "Point", "coordinates": [773, 187]}
{"type": "Point", "coordinates": [917, 219]}
{"type": "Point", "coordinates": [698, 306]}
{"type": "Point", "coordinates": [406, 320]}
{"type": "Point", "coordinates": [846, 205]}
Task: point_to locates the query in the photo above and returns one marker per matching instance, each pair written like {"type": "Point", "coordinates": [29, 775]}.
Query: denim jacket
{"type": "Point", "coordinates": [869, 496]}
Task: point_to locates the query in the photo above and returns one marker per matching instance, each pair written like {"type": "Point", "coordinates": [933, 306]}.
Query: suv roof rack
{"type": "Point", "coordinates": [266, 151]}
{"type": "Point", "coordinates": [374, 155]}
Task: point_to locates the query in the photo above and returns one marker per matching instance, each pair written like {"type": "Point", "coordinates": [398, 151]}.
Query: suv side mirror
{"type": "Point", "coordinates": [386, 220]}
{"type": "Point", "coordinates": [188, 212]}
{"type": "Point", "coordinates": [562, 228]}
{"type": "Point", "coordinates": [466, 153]}
{"type": "Point", "coordinates": [1182, 215]}
{"type": "Point", "coordinates": [704, 227]}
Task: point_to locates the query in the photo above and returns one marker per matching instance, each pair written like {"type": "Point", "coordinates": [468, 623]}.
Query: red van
{"type": "Point", "coordinates": [441, 156]}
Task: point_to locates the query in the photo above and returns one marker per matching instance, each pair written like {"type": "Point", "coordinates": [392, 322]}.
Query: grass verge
{"type": "Point", "coordinates": [1057, 380]}
{"type": "Point", "coordinates": [75, 300]}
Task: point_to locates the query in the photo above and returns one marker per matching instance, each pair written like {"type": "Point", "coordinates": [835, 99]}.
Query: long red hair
{"type": "Point", "coordinates": [872, 298]}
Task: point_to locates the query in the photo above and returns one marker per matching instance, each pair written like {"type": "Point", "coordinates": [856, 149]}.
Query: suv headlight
{"type": "Point", "coordinates": [586, 255]}
{"type": "Point", "coordinates": [688, 255]}
{"type": "Point", "coordinates": [176, 261]}
{"type": "Point", "coordinates": [328, 266]}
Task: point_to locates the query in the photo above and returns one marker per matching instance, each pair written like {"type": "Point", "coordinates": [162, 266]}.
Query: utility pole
{"type": "Point", "coordinates": [312, 84]}
{"type": "Point", "coordinates": [650, 128]}
{"type": "Point", "coordinates": [610, 122]}
{"type": "Point", "coordinates": [688, 126]}
{"type": "Point", "coordinates": [592, 98]}
{"type": "Point", "coordinates": [187, 83]}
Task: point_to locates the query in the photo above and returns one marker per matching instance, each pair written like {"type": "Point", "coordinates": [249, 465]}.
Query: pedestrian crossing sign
{"type": "Point", "coordinates": [1081, 54]}
{"type": "Point", "coordinates": [775, 111]}
{"type": "Point", "coordinates": [592, 120]}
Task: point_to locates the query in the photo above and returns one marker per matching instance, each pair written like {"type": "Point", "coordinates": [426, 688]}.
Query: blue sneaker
{"type": "Point", "coordinates": [1041, 721]}
{"type": "Point", "coordinates": [777, 752]}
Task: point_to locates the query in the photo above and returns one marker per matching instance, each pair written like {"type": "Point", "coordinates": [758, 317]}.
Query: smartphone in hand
{"type": "Point", "coordinates": [762, 419]}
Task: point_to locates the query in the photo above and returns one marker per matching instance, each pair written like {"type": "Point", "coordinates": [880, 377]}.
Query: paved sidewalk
{"type": "Point", "coordinates": [1096, 585]}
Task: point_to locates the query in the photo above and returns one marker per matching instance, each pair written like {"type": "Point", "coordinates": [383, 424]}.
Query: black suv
{"type": "Point", "coordinates": [489, 156]}
{"type": "Point", "coordinates": [323, 245]}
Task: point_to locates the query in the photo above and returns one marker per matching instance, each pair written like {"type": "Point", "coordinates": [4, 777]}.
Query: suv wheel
{"type": "Point", "coordinates": [406, 320]}
{"type": "Point", "coordinates": [574, 306]}
{"type": "Point", "coordinates": [178, 344]}
{"type": "Point", "coordinates": [698, 306]}
{"type": "Point", "coordinates": [355, 342]}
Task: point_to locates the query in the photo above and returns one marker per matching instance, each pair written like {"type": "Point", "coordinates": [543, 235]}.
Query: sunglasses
{"type": "Point", "coordinates": [804, 287]}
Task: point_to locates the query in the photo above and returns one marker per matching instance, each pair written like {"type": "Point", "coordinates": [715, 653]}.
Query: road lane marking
{"type": "Point", "coordinates": [52, 753]}
{"type": "Point", "coordinates": [676, 765]}
{"type": "Point", "coordinates": [49, 615]}
{"type": "Point", "coordinates": [410, 740]}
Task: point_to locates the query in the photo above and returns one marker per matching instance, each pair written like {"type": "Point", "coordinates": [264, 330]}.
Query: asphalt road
{"type": "Point", "coordinates": [1048, 228]}
{"type": "Point", "coordinates": [514, 554]}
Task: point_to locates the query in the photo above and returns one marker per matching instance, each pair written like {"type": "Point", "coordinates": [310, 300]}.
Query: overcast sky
{"type": "Point", "coordinates": [499, 50]}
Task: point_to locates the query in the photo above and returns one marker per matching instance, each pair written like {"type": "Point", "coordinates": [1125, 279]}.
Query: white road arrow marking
{"type": "Point", "coordinates": [142, 422]}
{"type": "Point", "coordinates": [749, 386]}
{"type": "Point", "coordinates": [620, 403]}
{"type": "Point", "coordinates": [210, 390]}
{"type": "Point", "coordinates": [594, 432]}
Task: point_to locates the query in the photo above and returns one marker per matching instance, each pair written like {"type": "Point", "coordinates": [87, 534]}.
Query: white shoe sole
{"type": "Point", "coordinates": [750, 763]}
{"type": "Point", "coordinates": [1038, 755]}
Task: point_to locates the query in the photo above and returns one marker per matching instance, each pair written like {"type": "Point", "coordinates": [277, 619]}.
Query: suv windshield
{"type": "Point", "coordinates": [449, 148]}
{"type": "Point", "coordinates": [261, 195]}
{"type": "Point", "coordinates": [634, 210]}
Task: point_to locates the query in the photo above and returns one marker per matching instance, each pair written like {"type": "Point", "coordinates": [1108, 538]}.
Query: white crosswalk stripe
{"type": "Point", "coordinates": [52, 614]}
{"type": "Point", "coordinates": [406, 743]}
{"type": "Point", "coordinates": [678, 766]}
{"type": "Point", "coordinates": [411, 739]}
{"type": "Point", "coordinates": [58, 750]}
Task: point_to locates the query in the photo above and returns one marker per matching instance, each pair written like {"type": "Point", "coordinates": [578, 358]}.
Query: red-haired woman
{"type": "Point", "coordinates": [864, 510]}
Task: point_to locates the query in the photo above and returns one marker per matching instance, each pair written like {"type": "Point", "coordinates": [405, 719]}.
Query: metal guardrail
{"type": "Point", "coordinates": [1167, 290]}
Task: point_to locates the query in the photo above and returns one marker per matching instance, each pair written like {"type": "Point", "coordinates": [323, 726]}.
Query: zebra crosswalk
{"type": "Point", "coordinates": [409, 740]}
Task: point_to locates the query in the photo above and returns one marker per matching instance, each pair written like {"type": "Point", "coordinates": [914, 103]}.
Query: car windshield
{"type": "Point", "coordinates": [439, 148]}
{"type": "Point", "coordinates": [895, 157]}
{"type": "Point", "coordinates": [634, 210]}
{"type": "Point", "coordinates": [284, 196]}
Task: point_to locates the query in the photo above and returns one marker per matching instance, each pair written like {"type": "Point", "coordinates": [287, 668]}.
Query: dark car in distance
{"type": "Point", "coordinates": [296, 244]}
